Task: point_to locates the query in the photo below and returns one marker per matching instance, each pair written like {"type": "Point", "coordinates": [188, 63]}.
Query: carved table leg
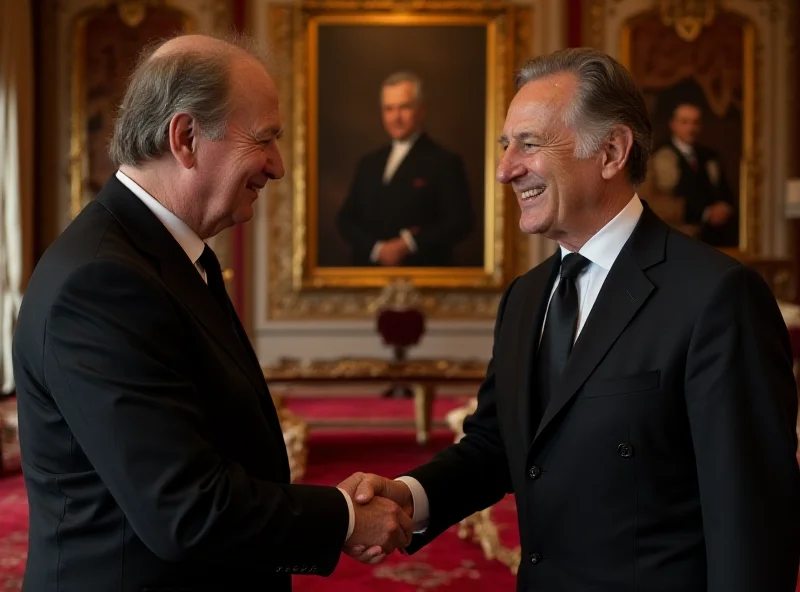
{"type": "Point", "coordinates": [423, 410]}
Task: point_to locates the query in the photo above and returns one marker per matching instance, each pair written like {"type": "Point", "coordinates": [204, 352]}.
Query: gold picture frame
{"type": "Point", "coordinates": [297, 286]}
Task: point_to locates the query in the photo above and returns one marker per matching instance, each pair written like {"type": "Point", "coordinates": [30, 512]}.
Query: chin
{"type": "Point", "coordinates": [533, 224]}
{"type": "Point", "coordinates": [242, 215]}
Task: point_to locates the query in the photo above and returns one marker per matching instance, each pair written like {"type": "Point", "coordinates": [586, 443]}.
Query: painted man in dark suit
{"type": "Point", "coordinates": [640, 401]}
{"type": "Point", "coordinates": [686, 169]}
{"type": "Point", "coordinates": [409, 202]}
{"type": "Point", "coordinates": [152, 453]}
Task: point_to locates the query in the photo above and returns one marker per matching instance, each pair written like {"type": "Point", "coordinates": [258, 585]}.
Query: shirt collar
{"type": "Point", "coordinates": [604, 247]}
{"type": "Point", "coordinates": [407, 143]}
{"type": "Point", "coordinates": [683, 146]}
{"type": "Point", "coordinates": [192, 244]}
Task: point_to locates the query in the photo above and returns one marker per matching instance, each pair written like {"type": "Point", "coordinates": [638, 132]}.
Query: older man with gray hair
{"type": "Point", "coordinates": [409, 202]}
{"type": "Point", "coordinates": [152, 452]}
{"type": "Point", "coordinates": [640, 401]}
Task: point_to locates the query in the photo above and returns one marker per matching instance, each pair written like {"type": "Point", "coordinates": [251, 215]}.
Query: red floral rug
{"type": "Point", "coordinates": [447, 564]}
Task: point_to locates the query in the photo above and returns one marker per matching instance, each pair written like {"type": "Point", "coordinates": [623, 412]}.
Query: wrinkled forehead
{"type": "Point", "coordinates": [254, 95]}
{"type": "Point", "coordinates": [540, 104]}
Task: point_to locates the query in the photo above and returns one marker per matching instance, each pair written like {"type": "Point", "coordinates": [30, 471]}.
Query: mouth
{"type": "Point", "coordinates": [532, 194]}
{"type": "Point", "coordinates": [255, 187]}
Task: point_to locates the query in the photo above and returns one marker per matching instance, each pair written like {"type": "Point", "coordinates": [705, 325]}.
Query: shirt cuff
{"type": "Point", "coordinates": [408, 238]}
{"type": "Point", "coordinates": [421, 509]}
{"type": "Point", "coordinates": [376, 251]}
{"type": "Point", "coordinates": [352, 524]}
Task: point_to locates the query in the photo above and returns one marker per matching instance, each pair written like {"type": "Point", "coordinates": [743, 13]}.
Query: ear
{"type": "Point", "coordinates": [616, 150]}
{"type": "Point", "coordinates": [182, 134]}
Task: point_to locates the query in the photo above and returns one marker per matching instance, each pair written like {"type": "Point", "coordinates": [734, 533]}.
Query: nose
{"type": "Point", "coordinates": [274, 168]}
{"type": "Point", "coordinates": [509, 167]}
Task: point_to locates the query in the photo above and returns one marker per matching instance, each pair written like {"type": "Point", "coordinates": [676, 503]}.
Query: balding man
{"type": "Point", "coordinates": [153, 456]}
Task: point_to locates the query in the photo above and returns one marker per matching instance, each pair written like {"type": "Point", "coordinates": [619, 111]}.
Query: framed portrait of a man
{"type": "Point", "coordinates": [395, 121]}
{"type": "Point", "coordinates": [701, 95]}
{"type": "Point", "coordinates": [401, 144]}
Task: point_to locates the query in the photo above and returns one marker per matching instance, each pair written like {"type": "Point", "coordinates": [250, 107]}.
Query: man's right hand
{"type": "Point", "coordinates": [370, 485]}
{"type": "Point", "coordinates": [381, 526]}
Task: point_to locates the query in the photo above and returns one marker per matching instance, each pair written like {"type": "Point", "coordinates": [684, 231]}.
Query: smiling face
{"type": "Point", "coordinates": [232, 171]}
{"type": "Point", "coordinates": [555, 190]}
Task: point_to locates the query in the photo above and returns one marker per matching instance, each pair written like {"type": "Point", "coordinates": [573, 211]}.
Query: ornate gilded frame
{"type": "Point", "coordinates": [750, 162]}
{"type": "Point", "coordinates": [296, 289]}
{"type": "Point", "coordinates": [131, 12]}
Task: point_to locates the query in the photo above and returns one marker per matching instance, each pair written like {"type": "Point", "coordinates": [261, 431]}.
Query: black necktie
{"type": "Point", "coordinates": [559, 329]}
{"type": "Point", "coordinates": [216, 284]}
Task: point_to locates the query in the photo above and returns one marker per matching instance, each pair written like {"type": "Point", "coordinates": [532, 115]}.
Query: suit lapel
{"type": "Point", "coordinates": [178, 273]}
{"type": "Point", "coordinates": [528, 330]}
{"type": "Point", "coordinates": [183, 279]}
{"type": "Point", "coordinates": [625, 291]}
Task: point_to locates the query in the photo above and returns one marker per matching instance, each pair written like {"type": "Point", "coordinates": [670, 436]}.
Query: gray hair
{"type": "Point", "coordinates": [399, 77]}
{"type": "Point", "coordinates": [189, 81]}
{"type": "Point", "coordinates": [606, 97]}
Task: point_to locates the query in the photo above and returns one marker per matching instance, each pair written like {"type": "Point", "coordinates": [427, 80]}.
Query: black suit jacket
{"type": "Point", "coordinates": [666, 461]}
{"type": "Point", "coordinates": [428, 193]}
{"type": "Point", "coordinates": [152, 453]}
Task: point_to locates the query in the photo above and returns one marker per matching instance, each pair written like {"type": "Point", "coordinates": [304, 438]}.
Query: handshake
{"type": "Point", "coordinates": [383, 517]}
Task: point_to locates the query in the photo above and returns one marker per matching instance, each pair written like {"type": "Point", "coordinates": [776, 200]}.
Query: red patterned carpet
{"type": "Point", "coordinates": [448, 564]}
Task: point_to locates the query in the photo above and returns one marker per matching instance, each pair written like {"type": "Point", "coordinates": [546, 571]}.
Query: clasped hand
{"type": "Point", "coordinates": [383, 512]}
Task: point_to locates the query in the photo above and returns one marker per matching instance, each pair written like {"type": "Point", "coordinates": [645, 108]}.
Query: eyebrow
{"type": "Point", "coordinates": [521, 136]}
{"type": "Point", "coordinates": [269, 132]}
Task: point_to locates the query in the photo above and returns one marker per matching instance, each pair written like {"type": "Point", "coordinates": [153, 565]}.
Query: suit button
{"type": "Point", "coordinates": [535, 472]}
{"type": "Point", "coordinates": [536, 558]}
{"type": "Point", "coordinates": [625, 450]}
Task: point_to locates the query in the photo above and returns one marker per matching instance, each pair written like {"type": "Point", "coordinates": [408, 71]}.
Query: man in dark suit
{"type": "Point", "coordinates": [409, 202]}
{"type": "Point", "coordinates": [639, 402]}
{"type": "Point", "coordinates": [683, 168]}
{"type": "Point", "coordinates": [152, 453]}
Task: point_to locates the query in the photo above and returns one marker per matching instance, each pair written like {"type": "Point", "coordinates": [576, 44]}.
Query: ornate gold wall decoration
{"type": "Point", "coordinates": [687, 17]}
{"type": "Point", "coordinates": [106, 40]}
{"type": "Point", "coordinates": [297, 289]}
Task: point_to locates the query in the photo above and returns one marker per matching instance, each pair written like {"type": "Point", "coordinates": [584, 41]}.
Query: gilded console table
{"type": "Point", "coordinates": [424, 375]}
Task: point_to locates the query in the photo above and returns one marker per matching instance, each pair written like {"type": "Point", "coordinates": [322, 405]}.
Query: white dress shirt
{"type": "Point", "coordinates": [193, 246]}
{"type": "Point", "coordinates": [601, 250]}
{"type": "Point", "coordinates": [187, 238]}
{"type": "Point", "coordinates": [399, 151]}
